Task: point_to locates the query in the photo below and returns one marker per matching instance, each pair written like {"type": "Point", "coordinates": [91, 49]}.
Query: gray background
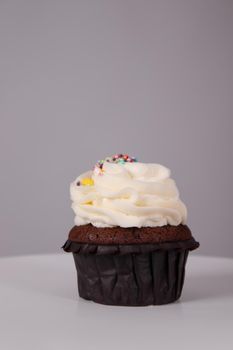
{"type": "Point", "coordinates": [81, 80]}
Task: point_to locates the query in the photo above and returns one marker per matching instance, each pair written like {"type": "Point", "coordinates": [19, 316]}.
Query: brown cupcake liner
{"type": "Point", "coordinates": [131, 275]}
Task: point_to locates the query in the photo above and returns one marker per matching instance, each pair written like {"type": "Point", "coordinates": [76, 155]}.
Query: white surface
{"type": "Point", "coordinates": [40, 309]}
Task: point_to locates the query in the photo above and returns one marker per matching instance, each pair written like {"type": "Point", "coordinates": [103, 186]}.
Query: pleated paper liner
{"type": "Point", "coordinates": [131, 275]}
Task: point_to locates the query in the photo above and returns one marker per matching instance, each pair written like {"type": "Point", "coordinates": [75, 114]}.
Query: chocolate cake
{"type": "Point", "coordinates": [131, 235]}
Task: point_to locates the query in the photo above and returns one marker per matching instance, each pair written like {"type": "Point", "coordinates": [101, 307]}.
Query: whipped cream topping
{"type": "Point", "coordinates": [129, 194]}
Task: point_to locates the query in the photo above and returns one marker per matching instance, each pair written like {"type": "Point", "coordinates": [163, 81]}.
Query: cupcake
{"type": "Point", "coordinates": [130, 241]}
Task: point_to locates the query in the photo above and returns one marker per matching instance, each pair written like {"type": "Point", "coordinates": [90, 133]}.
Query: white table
{"type": "Point", "coordinates": [40, 309]}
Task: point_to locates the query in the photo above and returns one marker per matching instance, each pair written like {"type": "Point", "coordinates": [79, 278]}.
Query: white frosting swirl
{"type": "Point", "coordinates": [127, 195]}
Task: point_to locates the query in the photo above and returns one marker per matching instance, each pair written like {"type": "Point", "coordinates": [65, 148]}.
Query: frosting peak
{"type": "Point", "coordinates": [127, 193]}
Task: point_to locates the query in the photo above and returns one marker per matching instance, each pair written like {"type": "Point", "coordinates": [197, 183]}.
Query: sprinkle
{"type": "Point", "coordinates": [87, 181]}
{"type": "Point", "coordinates": [98, 169]}
{"type": "Point", "coordinates": [78, 183]}
{"type": "Point", "coordinates": [117, 158]}
{"type": "Point", "coordinates": [89, 203]}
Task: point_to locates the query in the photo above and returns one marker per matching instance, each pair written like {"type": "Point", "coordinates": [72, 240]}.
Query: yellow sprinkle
{"type": "Point", "coordinates": [87, 181]}
{"type": "Point", "coordinates": [88, 203]}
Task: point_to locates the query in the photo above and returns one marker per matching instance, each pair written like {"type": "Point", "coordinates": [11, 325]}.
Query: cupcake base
{"type": "Point", "coordinates": [131, 275]}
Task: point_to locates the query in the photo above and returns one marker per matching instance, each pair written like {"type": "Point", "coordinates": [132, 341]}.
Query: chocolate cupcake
{"type": "Point", "coordinates": [130, 241]}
